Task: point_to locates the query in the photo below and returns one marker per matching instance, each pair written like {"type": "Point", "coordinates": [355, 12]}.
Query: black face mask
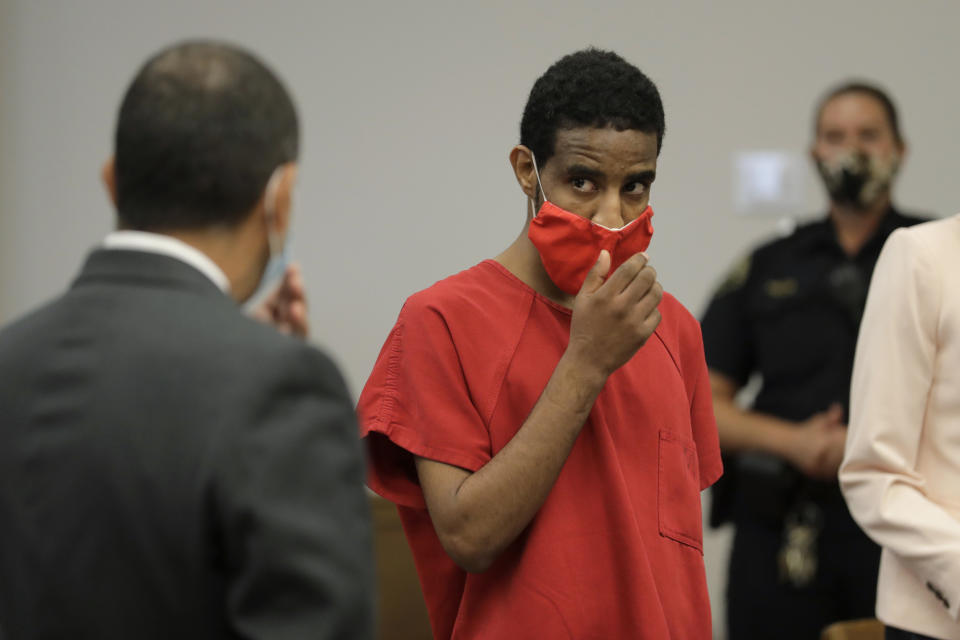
{"type": "Point", "coordinates": [856, 179]}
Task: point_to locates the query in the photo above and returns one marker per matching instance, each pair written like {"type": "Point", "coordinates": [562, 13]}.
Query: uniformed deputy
{"type": "Point", "coordinates": [790, 314]}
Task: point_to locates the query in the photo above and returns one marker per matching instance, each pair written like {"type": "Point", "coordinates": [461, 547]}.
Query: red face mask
{"type": "Point", "coordinates": [569, 245]}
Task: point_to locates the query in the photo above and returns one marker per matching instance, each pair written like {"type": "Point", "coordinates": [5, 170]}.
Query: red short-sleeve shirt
{"type": "Point", "coordinates": [616, 549]}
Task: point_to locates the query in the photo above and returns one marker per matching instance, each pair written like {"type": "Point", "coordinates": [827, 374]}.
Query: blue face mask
{"type": "Point", "coordinates": [279, 249]}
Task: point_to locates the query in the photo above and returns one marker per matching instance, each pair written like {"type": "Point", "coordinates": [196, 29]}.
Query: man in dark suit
{"type": "Point", "coordinates": [169, 467]}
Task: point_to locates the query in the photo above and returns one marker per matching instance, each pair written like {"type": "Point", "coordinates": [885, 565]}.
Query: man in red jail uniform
{"type": "Point", "coordinates": [543, 419]}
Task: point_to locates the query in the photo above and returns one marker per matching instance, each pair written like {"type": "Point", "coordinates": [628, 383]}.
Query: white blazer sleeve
{"type": "Point", "coordinates": [892, 377]}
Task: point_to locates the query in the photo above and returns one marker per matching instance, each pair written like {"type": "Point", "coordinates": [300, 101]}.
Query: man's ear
{"type": "Point", "coordinates": [902, 149]}
{"type": "Point", "coordinates": [284, 198]}
{"type": "Point", "coordinates": [108, 173]}
{"type": "Point", "coordinates": [521, 159]}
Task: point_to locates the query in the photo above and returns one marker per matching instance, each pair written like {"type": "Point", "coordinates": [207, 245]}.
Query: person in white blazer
{"type": "Point", "coordinates": [901, 470]}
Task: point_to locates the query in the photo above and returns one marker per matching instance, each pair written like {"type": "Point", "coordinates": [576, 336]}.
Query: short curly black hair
{"type": "Point", "coordinates": [592, 88]}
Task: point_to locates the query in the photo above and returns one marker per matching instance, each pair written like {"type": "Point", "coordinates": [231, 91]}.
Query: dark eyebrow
{"type": "Point", "coordinates": [585, 171]}
{"type": "Point", "coordinates": [641, 176]}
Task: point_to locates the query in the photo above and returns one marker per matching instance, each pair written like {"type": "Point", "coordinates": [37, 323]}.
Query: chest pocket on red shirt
{"type": "Point", "coordinates": [678, 491]}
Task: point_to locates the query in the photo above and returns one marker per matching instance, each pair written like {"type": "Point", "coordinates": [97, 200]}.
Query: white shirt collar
{"type": "Point", "coordinates": [169, 246]}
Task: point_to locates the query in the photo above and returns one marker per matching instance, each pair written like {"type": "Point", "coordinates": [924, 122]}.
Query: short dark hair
{"type": "Point", "coordinates": [592, 88]}
{"type": "Point", "coordinates": [864, 88]}
{"type": "Point", "coordinates": [201, 128]}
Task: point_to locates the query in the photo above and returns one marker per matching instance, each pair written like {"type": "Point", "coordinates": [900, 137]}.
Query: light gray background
{"type": "Point", "coordinates": [410, 109]}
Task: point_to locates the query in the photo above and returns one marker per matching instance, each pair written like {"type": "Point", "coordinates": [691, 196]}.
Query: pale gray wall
{"type": "Point", "coordinates": [410, 109]}
{"type": "Point", "coordinates": [7, 48]}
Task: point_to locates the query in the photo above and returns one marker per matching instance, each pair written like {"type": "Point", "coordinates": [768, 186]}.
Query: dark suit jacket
{"type": "Point", "coordinates": [172, 469]}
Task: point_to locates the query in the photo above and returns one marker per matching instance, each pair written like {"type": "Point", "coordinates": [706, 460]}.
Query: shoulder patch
{"type": "Point", "coordinates": [736, 277]}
